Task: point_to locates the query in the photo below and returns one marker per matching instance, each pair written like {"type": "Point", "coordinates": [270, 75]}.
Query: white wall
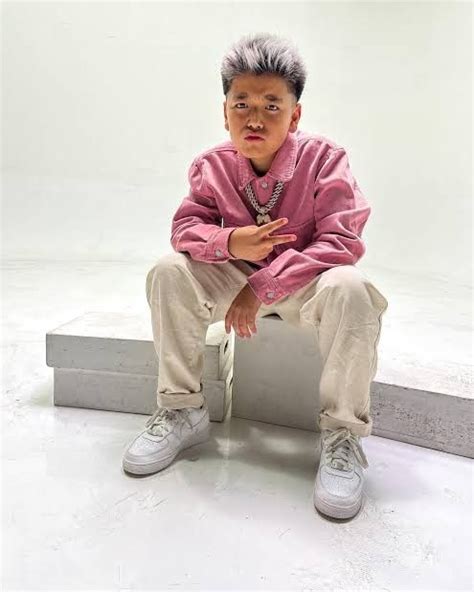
{"type": "Point", "coordinates": [106, 104]}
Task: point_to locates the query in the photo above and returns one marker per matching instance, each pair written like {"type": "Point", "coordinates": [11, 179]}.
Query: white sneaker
{"type": "Point", "coordinates": [167, 432]}
{"type": "Point", "coordinates": [338, 487]}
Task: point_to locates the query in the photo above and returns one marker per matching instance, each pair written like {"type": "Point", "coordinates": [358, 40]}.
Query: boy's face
{"type": "Point", "coordinates": [248, 111]}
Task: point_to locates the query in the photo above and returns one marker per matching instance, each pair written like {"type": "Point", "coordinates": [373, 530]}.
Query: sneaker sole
{"type": "Point", "coordinates": [162, 463]}
{"type": "Point", "coordinates": [336, 511]}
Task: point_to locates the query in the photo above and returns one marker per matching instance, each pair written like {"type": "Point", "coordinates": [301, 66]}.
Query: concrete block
{"type": "Point", "coordinates": [276, 380]}
{"type": "Point", "coordinates": [108, 361]}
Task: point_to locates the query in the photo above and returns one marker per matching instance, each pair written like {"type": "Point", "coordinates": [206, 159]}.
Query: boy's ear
{"type": "Point", "coordinates": [295, 117]}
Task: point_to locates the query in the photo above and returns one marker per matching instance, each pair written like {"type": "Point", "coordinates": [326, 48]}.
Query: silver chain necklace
{"type": "Point", "coordinates": [263, 217]}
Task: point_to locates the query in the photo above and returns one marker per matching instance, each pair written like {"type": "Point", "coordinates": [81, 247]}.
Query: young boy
{"type": "Point", "coordinates": [230, 263]}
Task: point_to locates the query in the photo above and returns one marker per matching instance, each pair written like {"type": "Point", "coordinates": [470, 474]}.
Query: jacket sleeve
{"type": "Point", "coordinates": [196, 225]}
{"type": "Point", "coordinates": [340, 213]}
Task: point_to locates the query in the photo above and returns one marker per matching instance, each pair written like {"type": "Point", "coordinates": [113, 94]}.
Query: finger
{"type": "Point", "coordinates": [251, 324]}
{"type": "Point", "coordinates": [247, 322]}
{"type": "Point", "coordinates": [242, 326]}
{"type": "Point", "coordinates": [273, 225]}
{"type": "Point", "coordinates": [234, 323]}
{"type": "Point", "coordinates": [236, 327]}
{"type": "Point", "coordinates": [281, 238]}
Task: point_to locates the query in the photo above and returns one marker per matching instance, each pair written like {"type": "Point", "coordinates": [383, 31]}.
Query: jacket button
{"type": "Point", "coordinates": [219, 253]}
{"type": "Point", "coordinates": [264, 184]}
{"type": "Point", "coordinates": [270, 294]}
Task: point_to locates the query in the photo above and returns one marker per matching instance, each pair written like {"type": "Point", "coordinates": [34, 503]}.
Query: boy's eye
{"type": "Point", "coordinates": [272, 105]}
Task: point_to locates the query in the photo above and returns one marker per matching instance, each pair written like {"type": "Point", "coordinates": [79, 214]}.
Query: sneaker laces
{"type": "Point", "coordinates": [158, 423]}
{"type": "Point", "coordinates": [340, 444]}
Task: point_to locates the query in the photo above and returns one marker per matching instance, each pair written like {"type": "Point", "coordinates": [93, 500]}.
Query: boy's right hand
{"type": "Point", "coordinates": [254, 243]}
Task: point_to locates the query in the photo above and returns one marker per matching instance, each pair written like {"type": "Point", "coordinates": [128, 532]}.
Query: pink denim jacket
{"type": "Point", "coordinates": [324, 206]}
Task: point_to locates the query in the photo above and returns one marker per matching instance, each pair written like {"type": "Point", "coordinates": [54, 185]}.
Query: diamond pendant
{"type": "Point", "coordinates": [263, 219]}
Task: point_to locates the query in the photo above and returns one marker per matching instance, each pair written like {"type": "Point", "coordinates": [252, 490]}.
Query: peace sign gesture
{"type": "Point", "coordinates": [254, 243]}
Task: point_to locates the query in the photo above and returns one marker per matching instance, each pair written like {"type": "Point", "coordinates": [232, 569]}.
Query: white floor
{"type": "Point", "coordinates": [233, 513]}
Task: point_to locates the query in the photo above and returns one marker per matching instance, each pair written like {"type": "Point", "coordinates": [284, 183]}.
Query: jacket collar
{"type": "Point", "coordinates": [281, 169]}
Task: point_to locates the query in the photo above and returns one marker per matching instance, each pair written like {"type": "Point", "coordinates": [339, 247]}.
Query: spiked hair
{"type": "Point", "coordinates": [264, 53]}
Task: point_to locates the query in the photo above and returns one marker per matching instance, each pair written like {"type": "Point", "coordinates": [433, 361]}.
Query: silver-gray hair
{"type": "Point", "coordinates": [262, 53]}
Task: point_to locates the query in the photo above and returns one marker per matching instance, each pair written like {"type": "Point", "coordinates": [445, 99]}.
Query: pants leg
{"type": "Point", "coordinates": [186, 296]}
{"type": "Point", "coordinates": [346, 310]}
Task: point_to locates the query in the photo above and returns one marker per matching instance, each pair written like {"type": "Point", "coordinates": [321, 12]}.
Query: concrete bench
{"type": "Point", "coordinates": [108, 361]}
{"type": "Point", "coordinates": [276, 378]}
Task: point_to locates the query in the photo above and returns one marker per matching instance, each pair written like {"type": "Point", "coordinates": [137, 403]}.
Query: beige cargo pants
{"type": "Point", "coordinates": [185, 296]}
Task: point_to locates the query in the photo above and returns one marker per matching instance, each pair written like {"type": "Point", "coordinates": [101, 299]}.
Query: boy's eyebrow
{"type": "Point", "coordinates": [271, 97]}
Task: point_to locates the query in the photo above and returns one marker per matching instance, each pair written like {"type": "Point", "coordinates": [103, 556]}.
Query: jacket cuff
{"type": "Point", "coordinates": [265, 286]}
{"type": "Point", "coordinates": [217, 248]}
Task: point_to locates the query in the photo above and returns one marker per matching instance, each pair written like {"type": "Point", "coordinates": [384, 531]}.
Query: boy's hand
{"type": "Point", "coordinates": [242, 312]}
{"type": "Point", "coordinates": [254, 243]}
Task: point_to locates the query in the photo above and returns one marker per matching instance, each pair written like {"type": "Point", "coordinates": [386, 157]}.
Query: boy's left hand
{"type": "Point", "coordinates": [242, 312]}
